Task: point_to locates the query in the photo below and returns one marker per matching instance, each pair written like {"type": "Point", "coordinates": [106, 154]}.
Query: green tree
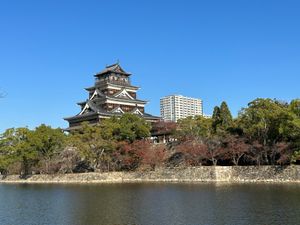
{"type": "Point", "coordinates": [294, 107]}
{"type": "Point", "coordinates": [292, 130]}
{"type": "Point", "coordinates": [196, 127]}
{"type": "Point", "coordinates": [128, 127]}
{"type": "Point", "coordinates": [296, 157]}
{"type": "Point", "coordinates": [262, 120]}
{"type": "Point", "coordinates": [20, 146]}
{"type": "Point", "coordinates": [6, 151]}
{"type": "Point", "coordinates": [93, 148]}
{"type": "Point", "coordinates": [49, 143]}
{"type": "Point", "coordinates": [269, 122]}
{"type": "Point", "coordinates": [225, 116]}
{"type": "Point", "coordinates": [216, 119]}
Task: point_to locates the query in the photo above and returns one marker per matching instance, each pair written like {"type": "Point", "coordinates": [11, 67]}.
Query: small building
{"type": "Point", "coordinates": [111, 95]}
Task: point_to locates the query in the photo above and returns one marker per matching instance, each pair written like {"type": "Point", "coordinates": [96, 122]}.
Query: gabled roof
{"type": "Point", "coordinates": [114, 68]}
{"type": "Point", "coordinates": [137, 111]}
{"type": "Point", "coordinates": [123, 94]}
{"type": "Point", "coordinates": [117, 110]}
{"type": "Point", "coordinates": [97, 93]}
{"type": "Point", "coordinates": [89, 105]}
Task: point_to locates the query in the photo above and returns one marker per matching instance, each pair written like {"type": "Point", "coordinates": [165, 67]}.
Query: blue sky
{"type": "Point", "coordinates": [215, 50]}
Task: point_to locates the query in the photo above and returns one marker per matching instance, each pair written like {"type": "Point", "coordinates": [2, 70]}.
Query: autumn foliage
{"type": "Point", "coordinates": [140, 154]}
{"type": "Point", "coordinates": [266, 132]}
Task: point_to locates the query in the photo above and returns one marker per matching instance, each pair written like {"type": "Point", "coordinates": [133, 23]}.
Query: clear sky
{"type": "Point", "coordinates": [214, 50]}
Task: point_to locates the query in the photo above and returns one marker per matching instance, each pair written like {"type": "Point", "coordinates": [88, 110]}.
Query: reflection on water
{"type": "Point", "coordinates": [150, 204]}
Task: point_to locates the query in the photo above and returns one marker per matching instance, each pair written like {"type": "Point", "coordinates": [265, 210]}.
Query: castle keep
{"type": "Point", "coordinates": [112, 95]}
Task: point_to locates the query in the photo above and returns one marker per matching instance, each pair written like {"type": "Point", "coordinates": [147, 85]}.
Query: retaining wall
{"type": "Point", "coordinates": [192, 174]}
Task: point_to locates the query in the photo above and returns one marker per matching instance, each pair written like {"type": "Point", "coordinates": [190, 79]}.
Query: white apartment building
{"type": "Point", "coordinates": [175, 107]}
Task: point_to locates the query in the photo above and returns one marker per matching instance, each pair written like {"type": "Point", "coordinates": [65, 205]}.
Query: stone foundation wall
{"type": "Point", "coordinates": [193, 174]}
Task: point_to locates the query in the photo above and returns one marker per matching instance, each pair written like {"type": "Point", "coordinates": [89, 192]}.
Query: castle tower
{"type": "Point", "coordinates": [112, 95]}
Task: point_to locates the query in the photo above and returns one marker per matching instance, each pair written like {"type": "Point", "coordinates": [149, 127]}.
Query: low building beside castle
{"type": "Point", "coordinates": [112, 95]}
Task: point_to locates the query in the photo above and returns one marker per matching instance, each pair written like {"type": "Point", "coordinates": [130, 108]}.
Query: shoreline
{"type": "Point", "coordinates": [203, 174]}
{"type": "Point", "coordinates": [151, 182]}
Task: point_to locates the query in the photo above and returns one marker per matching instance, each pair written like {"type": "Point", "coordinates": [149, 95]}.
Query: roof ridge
{"type": "Point", "coordinates": [112, 65]}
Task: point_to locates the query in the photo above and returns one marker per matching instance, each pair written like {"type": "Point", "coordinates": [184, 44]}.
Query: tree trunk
{"type": "Point", "coordinates": [25, 167]}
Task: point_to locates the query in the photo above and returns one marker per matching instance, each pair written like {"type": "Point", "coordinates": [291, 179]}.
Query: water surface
{"type": "Point", "coordinates": [177, 204]}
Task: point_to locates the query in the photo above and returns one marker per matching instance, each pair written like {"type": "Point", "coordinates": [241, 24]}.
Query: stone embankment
{"type": "Point", "coordinates": [234, 174]}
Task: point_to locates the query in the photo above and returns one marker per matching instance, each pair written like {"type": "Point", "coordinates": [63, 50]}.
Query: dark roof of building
{"type": "Point", "coordinates": [97, 110]}
{"type": "Point", "coordinates": [114, 68]}
{"type": "Point", "coordinates": [147, 115]}
{"type": "Point", "coordinates": [125, 99]}
{"type": "Point", "coordinates": [102, 113]}
{"type": "Point", "coordinates": [78, 116]}
{"type": "Point", "coordinates": [82, 103]}
{"type": "Point", "coordinates": [112, 84]}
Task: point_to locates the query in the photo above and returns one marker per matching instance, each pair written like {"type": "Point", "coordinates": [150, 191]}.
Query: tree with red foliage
{"type": "Point", "coordinates": [152, 155]}
{"type": "Point", "coordinates": [285, 154]}
{"type": "Point", "coordinates": [125, 156]}
{"type": "Point", "coordinates": [130, 156]}
{"type": "Point", "coordinates": [163, 128]}
{"type": "Point", "coordinates": [236, 148]}
{"type": "Point", "coordinates": [255, 153]}
{"type": "Point", "coordinates": [215, 151]}
{"type": "Point", "coordinates": [194, 152]}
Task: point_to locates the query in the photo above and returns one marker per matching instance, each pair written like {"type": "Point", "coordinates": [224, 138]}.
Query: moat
{"type": "Point", "coordinates": [176, 204]}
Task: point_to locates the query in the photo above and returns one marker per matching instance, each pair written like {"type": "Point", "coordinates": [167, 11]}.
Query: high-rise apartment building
{"type": "Point", "coordinates": [175, 107]}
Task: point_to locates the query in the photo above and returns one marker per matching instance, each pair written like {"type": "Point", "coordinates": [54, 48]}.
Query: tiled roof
{"type": "Point", "coordinates": [115, 68]}
{"type": "Point", "coordinates": [112, 84]}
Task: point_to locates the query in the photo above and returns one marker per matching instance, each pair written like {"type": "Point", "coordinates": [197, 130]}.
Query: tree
{"type": "Point", "coordinates": [225, 116]}
{"type": "Point", "coordinates": [93, 148]}
{"type": "Point", "coordinates": [20, 146]}
{"type": "Point", "coordinates": [216, 119]}
{"type": "Point", "coordinates": [236, 148]}
{"type": "Point", "coordinates": [68, 160]}
{"type": "Point", "coordinates": [166, 129]}
{"type": "Point", "coordinates": [294, 107]}
{"type": "Point", "coordinates": [6, 158]}
{"type": "Point", "coordinates": [215, 151]}
{"type": "Point", "coordinates": [128, 127]}
{"type": "Point", "coordinates": [127, 156]}
{"type": "Point", "coordinates": [98, 144]}
{"type": "Point", "coordinates": [222, 119]}
{"type": "Point", "coordinates": [49, 143]}
{"type": "Point", "coordinates": [150, 155]}
{"type": "Point", "coordinates": [281, 154]}
{"type": "Point", "coordinates": [196, 127]}
{"type": "Point", "coordinates": [296, 157]}
{"type": "Point", "coordinates": [264, 120]}
{"type": "Point", "coordinates": [292, 130]}
{"type": "Point", "coordinates": [194, 152]}
{"type": "Point", "coordinates": [271, 122]}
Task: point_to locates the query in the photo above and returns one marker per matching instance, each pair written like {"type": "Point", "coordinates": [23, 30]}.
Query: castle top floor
{"type": "Point", "coordinates": [113, 74]}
